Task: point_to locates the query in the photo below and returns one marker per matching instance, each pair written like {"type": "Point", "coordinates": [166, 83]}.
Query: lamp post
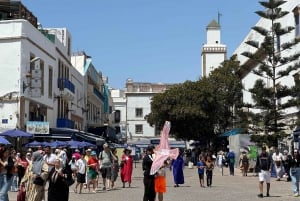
{"type": "Point", "coordinates": [25, 85]}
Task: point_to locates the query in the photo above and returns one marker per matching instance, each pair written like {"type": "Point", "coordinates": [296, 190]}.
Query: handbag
{"type": "Point", "coordinates": [121, 164]}
{"type": "Point", "coordinates": [21, 194]}
{"type": "Point", "coordinates": [38, 181]}
{"type": "Point", "coordinates": [69, 181]}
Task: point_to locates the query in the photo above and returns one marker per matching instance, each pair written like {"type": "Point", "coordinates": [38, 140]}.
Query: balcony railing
{"type": "Point", "coordinates": [98, 94]}
{"type": "Point", "coordinates": [64, 123]}
{"type": "Point", "coordinates": [65, 83]}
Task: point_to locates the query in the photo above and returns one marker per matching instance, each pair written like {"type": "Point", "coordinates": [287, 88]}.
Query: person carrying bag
{"type": "Point", "coordinates": [21, 194]}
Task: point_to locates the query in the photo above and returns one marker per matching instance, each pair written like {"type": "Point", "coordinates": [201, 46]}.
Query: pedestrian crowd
{"type": "Point", "coordinates": [52, 171]}
{"type": "Point", "coordinates": [30, 173]}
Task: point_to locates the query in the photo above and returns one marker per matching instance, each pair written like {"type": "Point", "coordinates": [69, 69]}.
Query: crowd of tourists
{"type": "Point", "coordinates": [268, 163]}
{"type": "Point", "coordinates": [49, 173]}
{"type": "Point", "coordinates": [53, 171]}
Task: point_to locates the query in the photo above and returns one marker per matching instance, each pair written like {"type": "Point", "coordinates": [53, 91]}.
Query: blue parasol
{"type": "Point", "coordinates": [34, 144]}
{"type": "Point", "coordinates": [73, 144]}
{"type": "Point", "coordinates": [4, 141]}
{"type": "Point", "coordinates": [87, 144]}
{"type": "Point", "coordinates": [16, 133]}
{"type": "Point", "coordinates": [56, 144]}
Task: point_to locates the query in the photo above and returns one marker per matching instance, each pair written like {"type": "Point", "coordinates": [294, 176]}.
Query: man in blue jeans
{"type": "Point", "coordinates": [231, 161]}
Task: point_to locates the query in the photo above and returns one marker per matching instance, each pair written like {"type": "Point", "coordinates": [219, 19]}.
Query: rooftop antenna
{"type": "Point", "coordinates": [219, 16]}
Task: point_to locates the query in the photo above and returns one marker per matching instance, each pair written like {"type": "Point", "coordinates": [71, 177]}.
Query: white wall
{"type": "Point", "coordinates": [139, 101]}
{"type": "Point", "coordinates": [249, 80]}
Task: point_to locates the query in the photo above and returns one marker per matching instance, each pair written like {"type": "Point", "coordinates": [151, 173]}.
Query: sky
{"type": "Point", "coordinates": [146, 40]}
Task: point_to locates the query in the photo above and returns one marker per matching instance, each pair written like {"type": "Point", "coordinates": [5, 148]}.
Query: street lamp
{"type": "Point", "coordinates": [35, 59]}
{"type": "Point", "coordinates": [28, 75]}
{"type": "Point", "coordinates": [25, 85]}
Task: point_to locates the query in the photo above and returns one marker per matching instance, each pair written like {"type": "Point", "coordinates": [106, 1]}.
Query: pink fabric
{"type": "Point", "coordinates": [163, 151]}
{"type": "Point", "coordinates": [77, 155]}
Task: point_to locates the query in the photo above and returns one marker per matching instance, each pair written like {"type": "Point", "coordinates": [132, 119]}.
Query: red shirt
{"type": "Point", "coordinates": [93, 163]}
{"type": "Point", "coordinates": [23, 162]}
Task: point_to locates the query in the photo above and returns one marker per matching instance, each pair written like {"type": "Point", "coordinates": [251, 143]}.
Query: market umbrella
{"type": "Point", "coordinates": [87, 144]}
{"type": "Point", "coordinates": [56, 144]}
{"type": "Point", "coordinates": [73, 144]}
{"type": "Point", "coordinates": [34, 144]}
{"type": "Point", "coordinates": [16, 133]}
{"type": "Point", "coordinates": [4, 141]}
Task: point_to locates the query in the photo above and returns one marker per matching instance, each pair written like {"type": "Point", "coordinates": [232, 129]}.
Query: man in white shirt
{"type": "Point", "coordinates": [49, 157]}
{"type": "Point", "coordinates": [277, 158]}
{"type": "Point", "coordinates": [61, 153]}
{"type": "Point", "coordinates": [81, 170]}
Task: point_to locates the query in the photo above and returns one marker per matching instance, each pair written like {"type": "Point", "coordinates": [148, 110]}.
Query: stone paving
{"type": "Point", "coordinates": [225, 188]}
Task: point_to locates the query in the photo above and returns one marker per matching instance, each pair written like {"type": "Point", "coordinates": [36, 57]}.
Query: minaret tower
{"type": "Point", "coordinates": [213, 52]}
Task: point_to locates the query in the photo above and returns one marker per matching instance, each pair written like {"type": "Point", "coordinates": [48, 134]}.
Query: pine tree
{"type": "Point", "coordinates": [274, 63]}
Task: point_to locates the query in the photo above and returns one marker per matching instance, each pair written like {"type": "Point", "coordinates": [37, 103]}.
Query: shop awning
{"type": "Point", "coordinates": [234, 131]}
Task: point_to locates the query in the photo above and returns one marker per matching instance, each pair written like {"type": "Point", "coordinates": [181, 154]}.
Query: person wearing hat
{"type": "Point", "coordinates": [126, 170]}
{"type": "Point", "coordinates": [263, 167]}
{"type": "Point", "coordinates": [76, 154]}
{"type": "Point", "coordinates": [106, 157]}
{"type": "Point", "coordinates": [93, 171]}
{"type": "Point", "coordinates": [149, 185]}
{"type": "Point", "coordinates": [86, 158]}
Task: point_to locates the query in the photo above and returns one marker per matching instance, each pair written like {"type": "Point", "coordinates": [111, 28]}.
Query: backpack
{"type": "Point", "coordinates": [245, 159]}
{"type": "Point", "coordinates": [230, 155]}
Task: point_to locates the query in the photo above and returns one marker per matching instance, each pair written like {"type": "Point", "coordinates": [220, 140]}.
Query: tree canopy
{"type": "Point", "coordinates": [275, 61]}
{"type": "Point", "coordinates": [200, 110]}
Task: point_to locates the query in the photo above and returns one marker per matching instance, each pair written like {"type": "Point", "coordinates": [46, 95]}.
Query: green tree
{"type": "Point", "coordinates": [227, 86]}
{"type": "Point", "coordinates": [274, 63]}
{"type": "Point", "coordinates": [199, 110]}
{"type": "Point", "coordinates": [188, 107]}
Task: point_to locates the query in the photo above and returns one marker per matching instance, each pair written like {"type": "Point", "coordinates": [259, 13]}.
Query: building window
{"type": "Point", "coordinates": [50, 82]}
{"type": "Point", "coordinates": [138, 112]}
{"type": "Point", "coordinates": [139, 129]}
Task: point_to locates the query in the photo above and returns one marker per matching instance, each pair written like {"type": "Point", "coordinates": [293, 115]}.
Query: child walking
{"type": "Point", "coordinates": [160, 182]}
{"type": "Point", "coordinates": [201, 168]}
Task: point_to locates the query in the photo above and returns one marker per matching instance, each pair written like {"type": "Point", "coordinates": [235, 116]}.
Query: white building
{"type": "Point", "coordinates": [248, 78]}
{"type": "Point", "coordinates": [93, 93]}
{"type": "Point", "coordinates": [119, 103]}
{"type": "Point", "coordinates": [36, 67]}
{"type": "Point", "coordinates": [138, 97]}
{"type": "Point", "coordinates": [39, 84]}
{"type": "Point", "coordinates": [213, 52]}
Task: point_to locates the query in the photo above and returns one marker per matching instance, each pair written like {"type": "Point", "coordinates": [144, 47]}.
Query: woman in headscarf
{"type": "Point", "coordinates": [126, 167]}
{"type": "Point", "coordinates": [35, 178]}
{"type": "Point", "coordinates": [58, 189]}
{"type": "Point", "coordinates": [177, 165]}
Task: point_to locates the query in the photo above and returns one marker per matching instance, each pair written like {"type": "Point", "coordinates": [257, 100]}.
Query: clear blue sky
{"type": "Point", "coordinates": [146, 40]}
